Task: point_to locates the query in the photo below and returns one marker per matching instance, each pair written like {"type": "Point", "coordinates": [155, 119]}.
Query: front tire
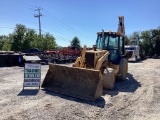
{"type": "Point", "coordinates": [123, 69]}
{"type": "Point", "coordinates": [108, 78]}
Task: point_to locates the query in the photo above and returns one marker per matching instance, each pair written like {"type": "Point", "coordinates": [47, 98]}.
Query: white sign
{"type": "Point", "coordinates": [32, 75]}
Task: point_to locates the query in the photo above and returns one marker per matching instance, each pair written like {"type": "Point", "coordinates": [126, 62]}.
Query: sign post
{"type": "Point", "coordinates": [32, 75]}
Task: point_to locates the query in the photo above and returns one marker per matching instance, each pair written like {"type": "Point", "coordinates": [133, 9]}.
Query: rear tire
{"type": "Point", "coordinates": [123, 68]}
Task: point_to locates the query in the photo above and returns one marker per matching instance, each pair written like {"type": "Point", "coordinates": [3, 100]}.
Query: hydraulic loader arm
{"type": "Point", "coordinates": [121, 28]}
{"type": "Point", "coordinates": [101, 61]}
{"type": "Point", "coordinates": [80, 60]}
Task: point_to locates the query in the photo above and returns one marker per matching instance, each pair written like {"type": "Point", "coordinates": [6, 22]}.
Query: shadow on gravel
{"type": "Point", "coordinates": [27, 92]}
{"type": "Point", "coordinates": [139, 61]}
{"type": "Point", "coordinates": [129, 85]}
{"type": "Point", "coordinates": [99, 102]}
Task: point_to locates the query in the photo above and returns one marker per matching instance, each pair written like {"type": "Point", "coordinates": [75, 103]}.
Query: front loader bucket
{"type": "Point", "coordinates": [73, 81]}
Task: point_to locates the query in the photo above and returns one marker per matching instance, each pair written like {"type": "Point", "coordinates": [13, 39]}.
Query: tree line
{"type": "Point", "coordinates": [24, 38]}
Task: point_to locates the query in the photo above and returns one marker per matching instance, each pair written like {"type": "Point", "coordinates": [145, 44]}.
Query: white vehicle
{"type": "Point", "coordinates": [135, 52]}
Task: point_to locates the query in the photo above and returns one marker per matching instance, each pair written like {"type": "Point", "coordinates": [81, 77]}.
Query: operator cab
{"type": "Point", "coordinates": [113, 43]}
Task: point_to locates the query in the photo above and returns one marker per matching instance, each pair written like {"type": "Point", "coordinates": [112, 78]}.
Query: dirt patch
{"type": "Point", "coordinates": [136, 98]}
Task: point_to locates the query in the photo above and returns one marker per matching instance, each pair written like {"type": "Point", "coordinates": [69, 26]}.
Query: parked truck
{"type": "Point", "coordinates": [135, 52]}
{"type": "Point", "coordinates": [136, 49]}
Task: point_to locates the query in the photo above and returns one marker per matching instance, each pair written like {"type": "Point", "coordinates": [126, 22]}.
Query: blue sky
{"type": "Point", "coordinates": [65, 19]}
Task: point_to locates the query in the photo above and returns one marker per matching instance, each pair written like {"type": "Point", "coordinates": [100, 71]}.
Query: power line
{"type": "Point", "coordinates": [67, 26]}
{"type": "Point", "coordinates": [51, 28]}
{"type": "Point", "coordinates": [59, 37]}
{"type": "Point", "coordinates": [60, 24]}
{"type": "Point", "coordinates": [12, 19]}
{"type": "Point", "coordinates": [9, 27]}
{"type": "Point", "coordinates": [39, 16]}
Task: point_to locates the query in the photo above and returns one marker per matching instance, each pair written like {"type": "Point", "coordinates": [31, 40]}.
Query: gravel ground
{"type": "Point", "coordinates": [137, 98]}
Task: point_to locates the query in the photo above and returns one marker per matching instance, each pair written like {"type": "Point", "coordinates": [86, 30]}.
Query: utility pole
{"type": "Point", "coordinates": [39, 16]}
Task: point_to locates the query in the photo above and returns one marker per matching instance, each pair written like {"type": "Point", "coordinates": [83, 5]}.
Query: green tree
{"type": "Point", "coordinates": [150, 41]}
{"type": "Point", "coordinates": [146, 42]}
{"type": "Point", "coordinates": [37, 42]}
{"type": "Point", "coordinates": [135, 38]}
{"type": "Point", "coordinates": [75, 43]}
{"type": "Point", "coordinates": [48, 42]}
{"type": "Point", "coordinates": [157, 45]}
{"type": "Point", "coordinates": [5, 43]}
{"type": "Point", "coordinates": [18, 37]}
{"type": "Point", "coordinates": [24, 38]}
{"type": "Point", "coordinates": [6, 46]}
{"type": "Point", "coordinates": [156, 41]}
{"type": "Point", "coordinates": [28, 39]}
{"type": "Point", "coordinates": [126, 40]}
{"type": "Point", "coordinates": [2, 41]}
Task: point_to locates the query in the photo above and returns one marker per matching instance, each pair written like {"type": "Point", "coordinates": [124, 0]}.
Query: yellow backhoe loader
{"type": "Point", "coordinates": [93, 70]}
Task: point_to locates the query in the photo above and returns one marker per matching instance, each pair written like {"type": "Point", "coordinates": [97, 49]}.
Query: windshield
{"type": "Point", "coordinates": [99, 42]}
{"type": "Point", "coordinates": [111, 41]}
